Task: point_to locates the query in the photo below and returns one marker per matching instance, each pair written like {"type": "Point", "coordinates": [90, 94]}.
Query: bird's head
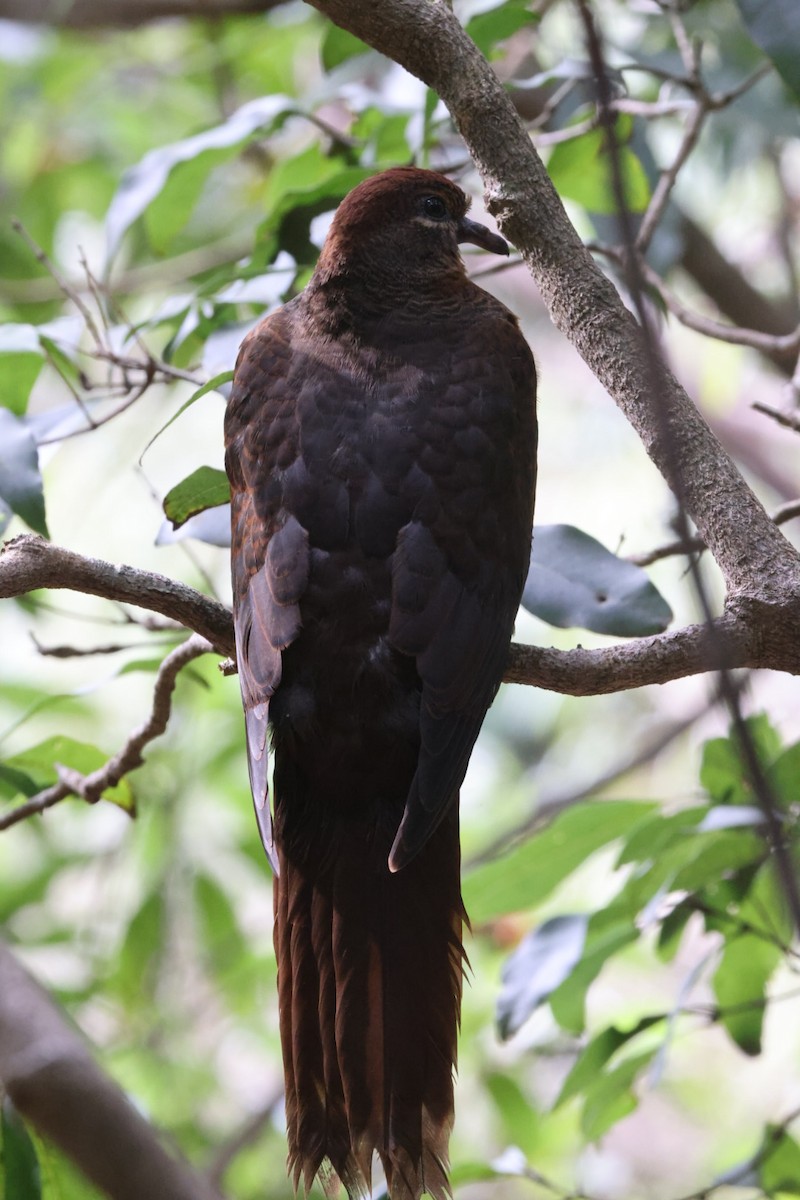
{"type": "Point", "coordinates": [404, 224]}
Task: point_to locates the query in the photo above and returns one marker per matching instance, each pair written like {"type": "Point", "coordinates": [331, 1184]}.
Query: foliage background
{"type": "Point", "coordinates": [155, 936]}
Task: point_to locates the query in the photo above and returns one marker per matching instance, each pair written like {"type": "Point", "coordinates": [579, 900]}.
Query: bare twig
{"type": "Point", "coordinates": [91, 787]}
{"type": "Point", "coordinates": [696, 545]}
{"type": "Point", "coordinates": [244, 1137]}
{"type": "Point", "coordinates": [787, 420]}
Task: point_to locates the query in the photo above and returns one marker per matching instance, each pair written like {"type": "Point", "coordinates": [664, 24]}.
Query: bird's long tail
{"type": "Point", "coordinates": [370, 969]}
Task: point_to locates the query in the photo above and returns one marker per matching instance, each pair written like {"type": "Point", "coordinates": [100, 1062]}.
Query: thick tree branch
{"type": "Point", "coordinates": [751, 634]}
{"type": "Point", "coordinates": [427, 39]}
{"type": "Point", "coordinates": [53, 1081]}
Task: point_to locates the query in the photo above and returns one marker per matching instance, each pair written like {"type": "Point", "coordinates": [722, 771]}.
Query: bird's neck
{"type": "Point", "coordinates": [361, 299]}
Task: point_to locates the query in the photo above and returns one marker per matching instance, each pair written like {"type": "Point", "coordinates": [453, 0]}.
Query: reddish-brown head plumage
{"type": "Point", "coordinates": [380, 445]}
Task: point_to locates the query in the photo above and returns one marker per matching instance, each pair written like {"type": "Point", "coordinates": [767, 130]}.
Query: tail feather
{"type": "Point", "coordinates": [370, 969]}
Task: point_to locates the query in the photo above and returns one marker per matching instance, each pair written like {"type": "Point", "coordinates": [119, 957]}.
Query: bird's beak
{"type": "Point", "coordinates": [479, 235]}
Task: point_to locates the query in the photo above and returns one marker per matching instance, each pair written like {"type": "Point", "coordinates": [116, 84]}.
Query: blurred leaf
{"type": "Point", "coordinates": [652, 836]}
{"type": "Point", "coordinates": [529, 873]}
{"type": "Point", "coordinates": [581, 171]}
{"type": "Point", "coordinates": [730, 816]}
{"type": "Point", "coordinates": [338, 46]}
{"type": "Point", "coordinates": [595, 1056]}
{"type": "Point", "coordinates": [779, 1169]}
{"type": "Point", "coordinates": [204, 488]}
{"type": "Point", "coordinates": [39, 764]}
{"type": "Point", "coordinates": [609, 931]}
{"type": "Point", "coordinates": [723, 773]}
{"type": "Point", "coordinates": [574, 581]}
{"type": "Point", "coordinates": [21, 360]}
{"type": "Point", "coordinates": [784, 776]}
{"type": "Point", "coordinates": [774, 26]}
{"type": "Point", "coordinates": [611, 1097]}
{"type": "Point", "coordinates": [20, 478]}
{"type": "Point", "coordinates": [498, 22]}
{"type": "Point", "coordinates": [19, 1161]}
{"type": "Point", "coordinates": [141, 184]}
{"type": "Point", "coordinates": [213, 385]}
{"type": "Point", "coordinates": [144, 940]}
{"type": "Point", "coordinates": [516, 1112]}
{"type": "Point", "coordinates": [539, 964]}
{"type": "Point", "coordinates": [740, 983]}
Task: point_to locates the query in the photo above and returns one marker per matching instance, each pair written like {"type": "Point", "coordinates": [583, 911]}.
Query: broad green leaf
{"type": "Point", "coordinates": [21, 360]}
{"type": "Point", "coordinates": [784, 776]}
{"type": "Point", "coordinates": [528, 874]}
{"type": "Point", "coordinates": [497, 22]}
{"type": "Point", "coordinates": [656, 833]}
{"type": "Point", "coordinates": [581, 171]}
{"type": "Point", "coordinates": [339, 46]}
{"type": "Point", "coordinates": [19, 1162]}
{"type": "Point", "coordinates": [780, 1165]}
{"type": "Point", "coordinates": [723, 773]}
{"type": "Point", "coordinates": [611, 1097]}
{"type": "Point", "coordinates": [143, 943]}
{"type": "Point", "coordinates": [516, 1113]}
{"type": "Point", "coordinates": [595, 1056]}
{"type": "Point", "coordinates": [141, 184]}
{"type": "Point", "coordinates": [543, 959]}
{"type": "Point", "coordinates": [740, 983]}
{"type": "Point", "coordinates": [20, 478]}
{"type": "Point", "coordinates": [39, 764]}
{"type": "Point", "coordinates": [574, 581]}
{"type": "Point", "coordinates": [717, 855]}
{"type": "Point", "coordinates": [774, 26]}
{"type": "Point", "coordinates": [609, 931]}
{"type": "Point", "coordinates": [204, 488]}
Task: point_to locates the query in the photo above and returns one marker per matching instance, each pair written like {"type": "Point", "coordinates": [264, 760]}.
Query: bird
{"type": "Point", "coordinates": [381, 449]}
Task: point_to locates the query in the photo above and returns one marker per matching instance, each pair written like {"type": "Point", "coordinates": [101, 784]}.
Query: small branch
{"type": "Point", "coordinates": [696, 545]}
{"type": "Point", "coordinates": [53, 1082]}
{"type": "Point", "coordinates": [787, 420]}
{"type": "Point", "coordinates": [244, 1137]}
{"type": "Point", "coordinates": [91, 787]}
{"type": "Point", "coordinates": [29, 562]}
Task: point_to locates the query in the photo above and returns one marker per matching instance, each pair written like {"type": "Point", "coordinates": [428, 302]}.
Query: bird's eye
{"type": "Point", "coordinates": [433, 207]}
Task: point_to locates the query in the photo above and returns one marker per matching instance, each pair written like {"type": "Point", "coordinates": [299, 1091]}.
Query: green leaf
{"type": "Point", "coordinates": [204, 488]}
{"type": "Point", "coordinates": [39, 764]}
{"type": "Point", "coordinates": [498, 23]}
{"type": "Point", "coordinates": [595, 1056]}
{"type": "Point", "coordinates": [542, 960]}
{"type": "Point", "coordinates": [581, 171]}
{"type": "Point", "coordinates": [339, 46]}
{"type": "Point", "coordinates": [574, 581]}
{"type": "Point", "coordinates": [723, 773]}
{"type": "Point", "coordinates": [780, 1164]}
{"type": "Point", "coordinates": [611, 1098]}
{"type": "Point", "coordinates": [212, 385]}
{"type": "Point", "coordinates": [774, 26]}
{"type": "Point", "coordinates": [141, 184]}
{"type": "Point", "coordinates": [609, 931]}
{"type": "Point", "coordinates": [528, 874]}
{"type": "Point", "coordinates": [651, 837]}
{"type": "Point", "coordinates": [144, 940]}
{"type": "Point", "coordinates": [739, 985]}
{"type": "Point", "coordinates": [516, 1112]}
{"type": "Point", "coordinates": [20, 478]}
{"type": "Point", "coordinates": [21, 360]}
{"type": "Point", "coordinates": [19, 1160]}
{"type": "Point", "coordinates": [784, 776]}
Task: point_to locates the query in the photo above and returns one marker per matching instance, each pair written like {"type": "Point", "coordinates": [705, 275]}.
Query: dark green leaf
{"type": "Point", "coordinates": [774, 26]}
{"type": "Point", "coordinates": [723, 773]}
{"type": "Point", "coordinates": [19, 1161]}
{"type": "Point", "coordinates": [204, 488]}
{"type": "Point", "coordinates": [20, 478]}
{"type": "Point", "coordinates": [543, 959]}
{"type": "Point", "coordinates": [525, 876]}
{"type": "Point", "coordinates": [574, 581]}
{"type": "Point", "coordinates": [740, 988]}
